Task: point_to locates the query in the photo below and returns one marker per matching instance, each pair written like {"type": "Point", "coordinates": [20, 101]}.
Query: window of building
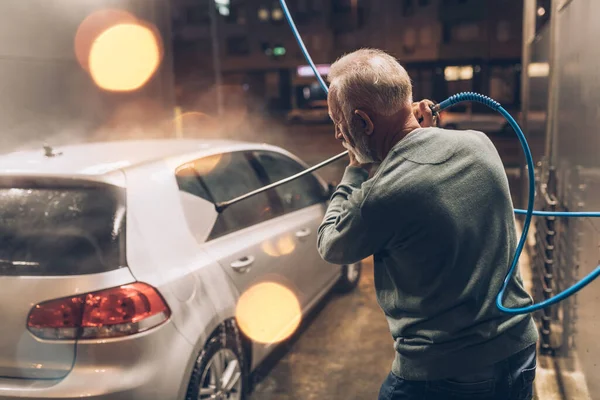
{"type": "Point", "coordinates": [266, 48]}
{"type": "Point", "coordinates": [503, 31]}
{"type": "Point", "coordinates": [503, 84]}
{"type": "Point", "coordinates": [422, 78]}
{"type": "Point", "coordinates": [458, 79]}
{"type": "Point", "coordinates": [407, 8]}
{"type": "Point", "coordinates": [409, 39]}
{"type": "Point", "coordinates": [232, 11]}
{"type": "Point", "coordinates": [466, 32]}
{"type": "Point", "coordinates": [426, 36]}
{"type": "Point", "coordinates": [223, 7]}
{"type": "Point", "coordinates": [458, 73]}
{"type": "Point", "coordinates": [348, 16]}
{"type": "Point", "coordinates": [197, 15]}
{"type": "Point", "coordinates": [264, 14]}
{"type": "Point", "coordinates": [276, 13]}
{"type": "Point", "coordinates": [316, 41]}
{"type": "Point", "coordinates": [238, 46]}
{"type": "Point", "coordinates": [279, 50]}
{"type": "Point", "coordinates": [447, 33]}
{"type": "Point", "coordinates": [304, 10]}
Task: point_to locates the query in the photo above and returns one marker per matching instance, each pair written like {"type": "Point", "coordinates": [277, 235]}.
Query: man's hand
{"type": "Point", "coordinates": [422, 111]}
{"type": "Point", "coordinates": [354, 162]}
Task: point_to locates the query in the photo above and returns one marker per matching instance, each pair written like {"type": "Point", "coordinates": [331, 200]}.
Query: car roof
{"type": "Point", "coordinates": [105, 158]}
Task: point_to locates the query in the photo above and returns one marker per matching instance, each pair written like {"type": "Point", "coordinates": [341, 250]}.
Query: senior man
{"type": "Point", "coordinates": [437, 217]}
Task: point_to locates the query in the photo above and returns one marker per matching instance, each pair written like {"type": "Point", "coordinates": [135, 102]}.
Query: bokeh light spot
{"type": "Point", "coordinates": [124, 57]}
{"type": "Point", "coordinates": [92, 26]}
{"type": "Point", "coordinates": [285, 245]}
{"type": "Point", "coordinates": [268, 312]}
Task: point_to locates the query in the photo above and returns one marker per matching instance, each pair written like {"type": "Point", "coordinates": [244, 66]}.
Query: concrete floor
{"type": "Point", "coordinates": [343, 351]}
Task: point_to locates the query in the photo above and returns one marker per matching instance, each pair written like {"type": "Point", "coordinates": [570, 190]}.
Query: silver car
{"type": "Point", "coordinates": [120, 280]}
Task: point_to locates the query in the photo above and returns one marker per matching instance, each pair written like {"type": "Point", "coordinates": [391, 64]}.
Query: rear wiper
{"type": "Point", "coordinates": [19, 263]}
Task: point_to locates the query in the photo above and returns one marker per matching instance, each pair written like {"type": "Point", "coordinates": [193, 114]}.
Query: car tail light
{"type": "Point", "coordinates": [114, 312]}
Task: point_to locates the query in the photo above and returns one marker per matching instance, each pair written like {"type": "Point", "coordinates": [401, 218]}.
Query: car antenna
{"type": "Point", "coordinates": [49, 151]}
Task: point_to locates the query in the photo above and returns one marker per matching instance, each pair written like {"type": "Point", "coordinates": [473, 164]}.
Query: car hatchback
{"type": "Point", "coordinates": [120, 280]}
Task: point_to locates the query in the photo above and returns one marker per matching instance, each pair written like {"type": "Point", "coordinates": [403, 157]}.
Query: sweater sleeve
{"type": "Point", "coordinates": [346, 235]}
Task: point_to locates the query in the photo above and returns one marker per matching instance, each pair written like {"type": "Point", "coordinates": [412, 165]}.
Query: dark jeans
{"type": "Point", "coordinates": [511, 379]}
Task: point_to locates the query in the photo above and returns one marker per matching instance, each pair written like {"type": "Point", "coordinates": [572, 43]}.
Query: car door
{"type": "Point", "coordinates": [304, 204]}
{"type": "Point", "coordinates": [240, 240]}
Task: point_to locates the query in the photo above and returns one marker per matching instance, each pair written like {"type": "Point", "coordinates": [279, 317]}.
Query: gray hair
{"type": "Point", "coordinates": [370, 78]}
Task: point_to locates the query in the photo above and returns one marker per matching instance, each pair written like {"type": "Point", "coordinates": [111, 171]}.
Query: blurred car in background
{"type": "Point", "coordinates": [485, 120]}
{"type": "Point", "coordinates": [463, 117]}
{"type": "Point", "coordinates": [120, 280]}
{"type": "Point", "coordinates": [315, 112]}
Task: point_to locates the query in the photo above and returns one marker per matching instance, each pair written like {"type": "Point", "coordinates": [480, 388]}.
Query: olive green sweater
{"type": "Point", "coordinates": [438, 218]}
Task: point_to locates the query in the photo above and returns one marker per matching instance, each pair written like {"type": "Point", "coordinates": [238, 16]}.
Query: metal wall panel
{"type": "Point", "coordinates": [576, 154]}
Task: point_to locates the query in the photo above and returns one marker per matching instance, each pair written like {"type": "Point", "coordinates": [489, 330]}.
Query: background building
{"type": "Point", "coordinates": [446, 45]}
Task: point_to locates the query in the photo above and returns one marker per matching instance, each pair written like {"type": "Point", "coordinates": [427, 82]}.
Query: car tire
{"type": "Point", "coordinates": [222, 352]}
{"type": "Point", "coordinates": [350, 277]}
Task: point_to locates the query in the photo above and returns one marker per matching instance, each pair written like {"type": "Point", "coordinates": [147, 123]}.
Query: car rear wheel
{"type": "Point", "coordinates": [219, 373]}
{"type": "Point", "coordinates": [350, 277]}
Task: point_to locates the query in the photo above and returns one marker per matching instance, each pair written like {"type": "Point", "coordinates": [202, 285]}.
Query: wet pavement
{"type": "Point", "coordinates": [343, 351]}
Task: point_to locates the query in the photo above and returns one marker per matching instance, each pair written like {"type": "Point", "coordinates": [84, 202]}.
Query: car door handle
{"type": "Point", "coordinates": [302, 233]}
{"type": "Point", "coordinates": [242, 264]}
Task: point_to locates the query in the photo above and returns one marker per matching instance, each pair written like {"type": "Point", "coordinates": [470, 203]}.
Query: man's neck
{"type": "Point", "coordinates": [396, 128]}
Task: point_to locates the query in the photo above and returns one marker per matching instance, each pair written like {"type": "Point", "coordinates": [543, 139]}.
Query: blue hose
{"type": "Point", "coordinates": [290, 20]}
{"type": "Point", "coordinates": [529, 212]}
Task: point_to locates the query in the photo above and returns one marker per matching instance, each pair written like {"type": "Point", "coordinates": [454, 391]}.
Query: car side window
{"type": "Point", "coordinates": [297, 194]}
{"type": "Point", "coordinates": [223, 177]}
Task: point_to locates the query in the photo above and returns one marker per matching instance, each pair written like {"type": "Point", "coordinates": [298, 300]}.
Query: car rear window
{"type": "Point", "coordinates": [73, 231]}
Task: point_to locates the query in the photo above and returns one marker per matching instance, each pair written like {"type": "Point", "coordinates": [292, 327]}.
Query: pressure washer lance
{"type": "Point", "coordinates": [224, 204]}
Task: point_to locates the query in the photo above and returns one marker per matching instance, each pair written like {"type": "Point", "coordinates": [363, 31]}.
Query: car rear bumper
{"type": "Point", "coordinates": [151, 365]}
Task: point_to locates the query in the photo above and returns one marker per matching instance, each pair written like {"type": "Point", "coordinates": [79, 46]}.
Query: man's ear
{"type": "Point", "coordinates": [366, 120]}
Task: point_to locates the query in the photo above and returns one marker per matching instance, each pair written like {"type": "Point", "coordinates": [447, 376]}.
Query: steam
{"type": "Point", "coordinates": [86, 114]}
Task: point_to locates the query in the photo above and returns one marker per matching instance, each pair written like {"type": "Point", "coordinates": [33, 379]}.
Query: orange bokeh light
{"type": "Point", "coordinates": [203, 166]}
{"type": "Point", "coordinates": [281, 247]}
{"type": "Point", "coordinates": [93, 26]}
{"type": "Point", "coordinates": [268, 312]}
{"type": "Point", "coordinates": [124, 57]}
